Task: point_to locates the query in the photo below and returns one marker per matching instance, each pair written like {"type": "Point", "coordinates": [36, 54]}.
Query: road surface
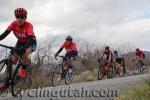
{"type": "Point", "coordinates": [96, 90]}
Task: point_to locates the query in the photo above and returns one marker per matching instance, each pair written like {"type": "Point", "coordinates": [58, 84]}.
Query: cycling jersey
{"type": "Point", "coordinates": [108, 54]}
{"type": "Point", "coordinates": [70, 47]}
{"type": "Point", "coordinates": [140, 54]}
{"type": "Point", "coordinates": [117, 56]}
{"type": "Point", "coordinates": [21, 32]}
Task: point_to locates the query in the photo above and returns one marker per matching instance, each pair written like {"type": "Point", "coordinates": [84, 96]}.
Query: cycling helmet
{"type": "Point", "coordinates": [137, 49]}
{"type": "Point", "coordinates": [69, 38]}
{"type": "Point", "coordinates": [107, 48]}
{"type": "Point", "coordinates": [115, 52]}
{"type": "Point", "coordinates": [21, 12]}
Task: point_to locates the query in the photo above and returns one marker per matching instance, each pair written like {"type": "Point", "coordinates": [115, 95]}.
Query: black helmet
{"type": "Point", "coordinates": [137, 49]}
{"type": "Point", "coordinates": [69, 38]}
{"type": "Point", "coordinates": [115, 52]}
{"type": "Point", "coordinates": [107, 48]}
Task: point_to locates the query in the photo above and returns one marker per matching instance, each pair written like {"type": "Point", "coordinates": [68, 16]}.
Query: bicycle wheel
{"type": "Point", "coordinates": [100, 73]}
{"type": "Point", "coordinates": [56, 77]}
{"type": "Point", "coordinates": [69, 76]}
{"type": "Point", "coordinates": [110, 72]}
{"type": "Point", "coordinates": [141, 69]}
{"type": "Point", "coordinates": [2, 65]}
{"type": "Point", "coordinates": [18, 83]}
{"type": "Point", "coordinates": [134, 70]}
{"type": "Point", "coordinates": [3, 76]}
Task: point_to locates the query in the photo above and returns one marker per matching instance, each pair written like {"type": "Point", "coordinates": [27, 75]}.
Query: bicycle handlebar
{"type": "Point", "coordinates": [60, 56]}
{"type": "Point", "coordinates": [9, 47]}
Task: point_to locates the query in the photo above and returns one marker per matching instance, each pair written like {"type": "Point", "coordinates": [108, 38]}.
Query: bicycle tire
{"type": "Point", "coordinates": [66, 77]}
{"type": "Point", "coordinates": [16, 89]}
{"type": "Point", "coordinates": [110, 72]}
{"type": "Point", "coordinates": [100, 73]}
{"type": "Point", "coordinates": [57, 70]}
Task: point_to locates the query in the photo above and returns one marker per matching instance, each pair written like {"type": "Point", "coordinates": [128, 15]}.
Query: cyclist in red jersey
{"type": "Point", "coordinates": [70, 47]}
{"type": "Point", "coordinates": [26, 43]}
{"type": "Point", "coordinates": [109, 57]}
{"type": "Point", "coordinates": [108, 53]}
{"type": "Point", "coordinates": [140, 55]}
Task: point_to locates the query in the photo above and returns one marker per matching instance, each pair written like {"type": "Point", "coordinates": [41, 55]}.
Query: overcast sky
{"type": "Point", "coordinates": [114, 22]}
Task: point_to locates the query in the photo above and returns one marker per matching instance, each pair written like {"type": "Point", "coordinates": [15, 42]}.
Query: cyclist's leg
{"type": "Point", "coordinates": [26, 61]}
{"type": "Point", "coordinates": [118, 61]}
{"type": "Point", "coordinates": [14, 59]}
{"type": "Point", "coordinates": [15, 56]}
{"type": "Point", "coordinates": [72, 57]}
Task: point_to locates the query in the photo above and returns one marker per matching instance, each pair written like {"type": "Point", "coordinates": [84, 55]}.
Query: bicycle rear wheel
{"type": "Point", "coordinates": [18, 83]}
{"type": "Point", "coordinates": [56, 77]}
{"type": "Point", "coordinates": [69, 76]}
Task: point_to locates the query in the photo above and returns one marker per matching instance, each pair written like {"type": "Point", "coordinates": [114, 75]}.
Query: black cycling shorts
{"type": "Point", "coordinates": [71, 55]}
{"type": "Point", "coordinates": [20, 45]}
{"type": "Point", "coordinates": [119, 60]}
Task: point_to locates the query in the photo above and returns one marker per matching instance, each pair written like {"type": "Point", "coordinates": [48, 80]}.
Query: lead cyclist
{"type": "Point", "coordinates": [26, 40]}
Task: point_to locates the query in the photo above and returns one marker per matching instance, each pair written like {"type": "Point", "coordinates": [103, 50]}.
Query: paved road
{"type": "Point", "coordinates": [96, 90]}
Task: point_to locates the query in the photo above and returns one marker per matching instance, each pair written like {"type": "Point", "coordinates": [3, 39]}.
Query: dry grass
{"type": "Point", "coordinates": [141, 92]}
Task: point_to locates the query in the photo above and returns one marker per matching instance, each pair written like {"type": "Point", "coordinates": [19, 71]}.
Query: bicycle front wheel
{"type": "Point", "coordinates": [100, 73]}
{"type": "Point", "coordinates": [3, 69]}
{"type": "Point", "coordinates": [56, 77]}
{"type": "Point", "coordinates": [18, 83]}
{"type": "Point", "coordinates": [3, 76]}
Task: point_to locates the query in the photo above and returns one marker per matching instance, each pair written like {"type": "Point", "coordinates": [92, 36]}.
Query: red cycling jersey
{"type": "Point", "coordinates": [70, 47]}
{"type": "Point", "coordinates": [140, 54]}
{"type": "Point", "coordinates": [23, 32]}
{"type": "Point", "coordinates": [108, 54]}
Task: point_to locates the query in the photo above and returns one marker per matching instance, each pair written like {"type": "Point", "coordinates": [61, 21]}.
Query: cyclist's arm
{"type": "Point", "coordinates": [61, 48]}
{"type": "Point", "coordinates": [4, 35]}
{"type": "Point", "coordinates": [59, 51]}
{"type": "Point", "coordinates": [101, 56]}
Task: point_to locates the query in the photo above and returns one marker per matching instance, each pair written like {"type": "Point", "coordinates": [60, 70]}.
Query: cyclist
{"type": "Point", "coordinates": [108, 58]}
{"type": "Point", "coordinates": [118, 59]}
{"type": "Point", "coordinates": [26, 44]}
{"type": "Point", "coordinates": [140, 55]}
{"type": "Point", "coordinates": [70, 47]}
{"type": "Point", "coordinates": [108, 53]}
{"type": "Point", "coordinates": [71, 50]}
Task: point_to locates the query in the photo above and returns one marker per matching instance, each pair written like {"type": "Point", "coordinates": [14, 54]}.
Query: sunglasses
{"type": "Point", "coordinates": [22, 17]}
{"type": "Point", "coordinates": [68, 40]}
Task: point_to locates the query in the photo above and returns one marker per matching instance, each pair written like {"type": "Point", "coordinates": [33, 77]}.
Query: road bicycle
{"type": "Point", "coordinates": [138, 67]}
{"type": "Point", "coordinates": [63, 71]}
{"type": "Point", "coordinates": [9, 73]}
{"type": "Point", "coordinates": [105, 69]}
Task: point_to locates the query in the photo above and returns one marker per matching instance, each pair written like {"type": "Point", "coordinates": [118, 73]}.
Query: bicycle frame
{"type": "Point", "coordinates": [9, 62]}
{"type": "Point", "coordinates": [105, 64]}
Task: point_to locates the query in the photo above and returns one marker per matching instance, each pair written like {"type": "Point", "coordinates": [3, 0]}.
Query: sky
{"type": "Point", "coordinates": [113, 22]}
